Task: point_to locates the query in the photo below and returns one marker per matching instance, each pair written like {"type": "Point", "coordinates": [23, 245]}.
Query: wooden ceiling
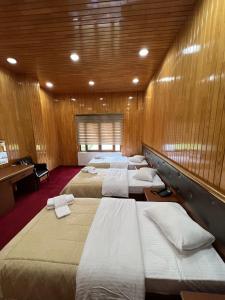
{"type": "Point", "coordinates": [107, 35]}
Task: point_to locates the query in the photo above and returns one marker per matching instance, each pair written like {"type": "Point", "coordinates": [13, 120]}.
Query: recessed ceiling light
{"type": "Point", "coordinates": [143, 52]}
{"type": "Point", "coordinates": [49, 84]}
{"type": "Point", "coordinates": [73, 99]}
{"type": "Point", "coordinates": [74, 57]}
{"type": "Point", "coordinates": [103, 104]}
{"type": "Point", "coordinates": [75, 19]}
{"type": "Point", "coordinates": [11, 60]}
{"type": "Point", "coordinates": [91, 83]}
{"type": "Point", "coordinates": [101, 98]}
{"type": "Point", "coordinates": [135, 80]}
{"type": "Point", "coordinates": [130, 97]}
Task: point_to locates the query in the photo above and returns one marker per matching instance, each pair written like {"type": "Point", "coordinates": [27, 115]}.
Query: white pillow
{"type": "Point", "coordinates": [178, 227]}
{"type": "Point", "coordinates": [137, 158]}
{"type": "Point", "coordinates": [145, 174]}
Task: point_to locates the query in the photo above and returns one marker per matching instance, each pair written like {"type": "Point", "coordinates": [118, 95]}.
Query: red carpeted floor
{"type": "Point", "coordinates": [27, 206]}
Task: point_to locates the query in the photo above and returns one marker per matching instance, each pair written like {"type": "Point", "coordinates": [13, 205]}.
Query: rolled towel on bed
{"type": "Point", "coordinates": [51, 201]}
{"type": "Point", "coordinates": [89, 169]}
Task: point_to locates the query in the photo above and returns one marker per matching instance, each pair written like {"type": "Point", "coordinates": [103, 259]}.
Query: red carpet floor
{"type": "Point", "coordinates": [27, 206]}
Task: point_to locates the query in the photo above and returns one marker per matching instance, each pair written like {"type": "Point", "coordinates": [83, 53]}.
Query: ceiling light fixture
{"type": "Point", "coordinates": [11, 60]}
{"type": "Point", "coordinates": [74, 57]}
{"type": "Point", "coordinates": [101, 99]}
{"type": "Point", "coordinates": [130, 97]}
{"type": "Point", "coordinates": [91, 83]}
{"type": "Point", "coordinates": [143, 52]}
{"type": "Point", "coordinates": [135, 80]}
{"type": "Point", "coordinates": [73, 99]}
{"type": "Point", "coordinates": [49, 84]}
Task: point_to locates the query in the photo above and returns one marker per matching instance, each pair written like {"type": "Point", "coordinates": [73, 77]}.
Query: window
{"type": "Point", "coordinates": [100, 132]}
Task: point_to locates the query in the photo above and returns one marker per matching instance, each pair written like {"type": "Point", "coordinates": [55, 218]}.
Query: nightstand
{"type": "Point", "coordinates": [201, 296]}
{"type": "Point", "coordinates": [153, 196]}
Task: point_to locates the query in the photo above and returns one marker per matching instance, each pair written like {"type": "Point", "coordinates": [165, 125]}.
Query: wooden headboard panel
{"type": "Point", "coordinates": [206, 208]}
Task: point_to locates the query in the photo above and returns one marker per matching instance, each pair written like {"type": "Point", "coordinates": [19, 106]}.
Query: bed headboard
{"type": "Point", "coordinates": [204, 207]}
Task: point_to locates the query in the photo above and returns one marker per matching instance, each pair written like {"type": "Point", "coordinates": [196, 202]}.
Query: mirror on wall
{"type": "Point", "coordinates": [3, 153]}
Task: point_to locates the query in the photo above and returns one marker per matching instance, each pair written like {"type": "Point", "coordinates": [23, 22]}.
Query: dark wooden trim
{"type": "Point", "coordinates": [202, 206]}
{"type": "Point", "coordinates": [187, 173]}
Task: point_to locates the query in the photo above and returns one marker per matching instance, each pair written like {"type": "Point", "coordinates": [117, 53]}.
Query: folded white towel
{"type": "Point", "coordinates": [89, 169]}
{"type": "Point", "coordinates": [51, 201]}
{"type": "Point", "coordinates": [62, 211]}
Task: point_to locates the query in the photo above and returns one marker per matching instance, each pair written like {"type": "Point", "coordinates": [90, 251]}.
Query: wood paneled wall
{"type": "Point", "coordinates": [66, 110]}
{"type": "Point", "coordinates": [51, 140]}
{"type": "Point", "coordinates": [27, 120]}
{"type": "Point", "coordinates": [15, 117]}
{"type": "Point", "coordinates": [185, 102]}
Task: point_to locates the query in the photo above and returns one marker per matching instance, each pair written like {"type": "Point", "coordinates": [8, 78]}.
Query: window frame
{"type": "Point", "coordinates": [99, 149]}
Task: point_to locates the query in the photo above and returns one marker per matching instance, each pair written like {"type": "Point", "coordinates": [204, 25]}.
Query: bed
{"type": "Point", "coordinates": [116, 161]}
{"type": "Point", "coordinates": [41, 262]}
{"type": "Point", "coordinates": [46, 254]}
{"type": "Point", "coordinates": [90, 185]}
{"type": "Point", "coordinates": [202, 271]}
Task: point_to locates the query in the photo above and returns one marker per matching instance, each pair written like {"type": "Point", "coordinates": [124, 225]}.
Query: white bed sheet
{"type": "Point", "coordinates": [108, 159]}
{"type": "Point", "coordinates": [137, 186]}
{"type": "Point", "coordinates": [168, 272]}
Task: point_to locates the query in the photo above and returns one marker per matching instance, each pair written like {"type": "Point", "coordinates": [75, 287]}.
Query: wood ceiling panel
{"type": "Point", "coordinates": [107, 35]}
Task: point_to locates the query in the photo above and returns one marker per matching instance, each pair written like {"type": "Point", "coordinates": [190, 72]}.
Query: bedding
{"type": "Point", "coordinates": [145, 174]}
{"type": "Point", "coordinates": [111, 265]}
{"type": "Point", "coordinates": [168, 271]}
{"type": "Point", "coordinates": [115, 183]}
{"type": "Point", "coordinates": [95, 185]}
{"type": "Point", "coordinates": [178, 227]}
{"type": "Point", "coordinates": [42, 260]}
{"type": "Point", "coordinates": [133, 165]}
{"type": "Point", "coordinates": [89, 185]}
{"type": "Point", "coordinates": [137, 186]}
{"type": "Point", "coordinates": [116, 162]}
{"type": "Point", "coordinates": [136, 158]}
{"type": "Point", "coordinates": [109, 162]}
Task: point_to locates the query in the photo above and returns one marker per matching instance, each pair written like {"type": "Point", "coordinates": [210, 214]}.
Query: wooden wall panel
{"type": "Point", "coordinates": [66, 110]}
{"type": "Point", "coordinates": [185, 102]}
{"type": "Point", "coordinates": [50, 129]}
{"type": "Point", "coordinates": [27, 120]}
{"type": "Point", "coordinates": [15, 117]}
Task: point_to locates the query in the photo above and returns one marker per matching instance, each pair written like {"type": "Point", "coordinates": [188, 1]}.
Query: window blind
{"type": "Point", "coordinates": [100, 129]}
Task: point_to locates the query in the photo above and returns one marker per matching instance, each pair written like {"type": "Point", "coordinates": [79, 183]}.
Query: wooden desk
{"type": "Point", "coordinates": [8, 177]}
{"type": "Point", "coordinates": [153, 196]}
{"type": "Point", "coordinates": [201, 296]}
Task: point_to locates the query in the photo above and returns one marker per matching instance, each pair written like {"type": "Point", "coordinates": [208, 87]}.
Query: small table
{"type": "Point", "coordinates": [153, 196]}
{"type": "Point", "coordinates": [201, 296]}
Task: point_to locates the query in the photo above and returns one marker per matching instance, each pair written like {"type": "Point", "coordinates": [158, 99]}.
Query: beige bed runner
{"type": "Point", "coordinates": [85, 185]}
{"type": "Point", "coordinates": [41, 261]}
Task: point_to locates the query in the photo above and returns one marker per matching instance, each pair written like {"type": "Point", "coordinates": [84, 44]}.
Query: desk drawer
{"type": "Point", "coordinates": [21, 175]}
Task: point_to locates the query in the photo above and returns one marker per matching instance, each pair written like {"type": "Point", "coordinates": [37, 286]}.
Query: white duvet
{"type": "Point", "coordinates": [111, 265]}
{"type": "Point", "coordinates": [115, 183]}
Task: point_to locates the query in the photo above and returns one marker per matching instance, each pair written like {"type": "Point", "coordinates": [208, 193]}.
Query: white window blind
{"type": "Point", "coordinates": [100, 129]}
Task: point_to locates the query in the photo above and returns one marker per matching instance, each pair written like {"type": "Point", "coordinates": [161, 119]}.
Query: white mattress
{"type": "Point", "coordinates": [137, 186]}
{"type": "Point", "coordinates": [168, 272]}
